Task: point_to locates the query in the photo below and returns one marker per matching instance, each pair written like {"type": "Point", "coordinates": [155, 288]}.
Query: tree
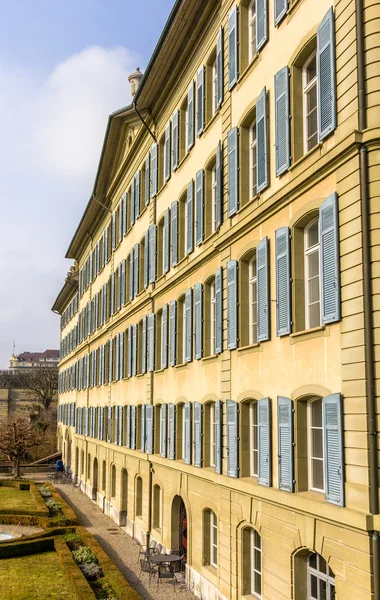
{"type": "Point", "coordinates": [18, 436]}
{"type": "Point", "coordinates": [41, 382]}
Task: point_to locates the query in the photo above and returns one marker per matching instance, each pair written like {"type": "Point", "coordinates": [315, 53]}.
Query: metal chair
{"type": "Point", "coordinates": [146, 552]}
{"type": "Point", "coordinates": [147, 567]}
{"type": "Point", "coordinates": [166, 572]}
{"type": "Point", "coordinates": [159, 548]}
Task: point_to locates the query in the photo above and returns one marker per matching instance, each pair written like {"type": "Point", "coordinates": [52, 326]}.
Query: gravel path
{"type": "Point", "coordinates": [120, 547]}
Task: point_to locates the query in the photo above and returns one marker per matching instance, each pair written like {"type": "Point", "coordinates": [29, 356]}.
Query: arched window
{"type": "Point", "coordinates": [158, 341]}
{"type": "Point", "coordinates": [305, 94]}
{"type": "Point", "coordinates": [82, 462]}
{"type": "Point", "coordinates": [180, 431]}
{"type": "Point", "coordinates": [320, 579]}
{"type": "Point", "coordinates": [113, 481]}
{"type": "Point", "coordinates": [209, 437]}
{"type": "Point", "coordinates": [139, 496]}
{"type": "Point", "coordinates": [248, 159]}
{"type": "Point", "coordinates": [104, 475]}
{"type": "Point", "coordinates": [252, 563]}
{"type": "Point", "coordinates": [251, 30]}
{"type": "Point", "coordinates": [157, 507]}
{"type": "Point", "coordinates": [315, 445]}
{"type": "Point", "coordinates": [210, 198]}
{"type": "Point", "coordinates": [248, 301]}
{"type": "Point", "coordinates": [312, 295]}
{"type": "Point", "coordinates": [181, 330]}
{"type": "Point", "coordinates": [160, 248]}
{"type": "Point", "coordinates": [310, 106]}
{"type": "Point", "coordinates": [249, 439]}
{"type": "Point", "coordinates": [88, 466]}
{"type": "Point", "coordinates": [210, 538]}
{"type": "Point", "coordinates": [182, 226]}
{"type": "Point", "coordinates": [252, 159]}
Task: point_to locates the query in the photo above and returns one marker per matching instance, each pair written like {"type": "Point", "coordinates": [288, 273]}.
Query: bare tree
{"type": "Point", "coordinates": [18, 436]}
{"type": "Point", "coordinates": [41, 382]}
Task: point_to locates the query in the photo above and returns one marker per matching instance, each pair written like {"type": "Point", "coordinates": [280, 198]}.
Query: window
{"type": "Point", "coordinates": [253, 439]}
{"type": "Point", "coordinates": [158, 340]}
{"type": "Point", "coordinates": [249, 439]}
{"type": "Point", "coordinates": [252, 160]}
{"type": "Point", "coordinates": [310, 107]}
{"type": "Point", "coordinates": [210, 198]}
{"type": "Point", "coordinates": [213, 198]}
{"type": "Point", "coordinates": [252, 563]}
{"type": "Point", "coordinates": [157, 429]}
{"type": "Point", "coordinates": [104, 476]}
{"type": "Point", "coordinates": [209, 316]}
{"type": "Point", "coordinates": [156, 507]}
{"type": "Point", "coordinates": [210, 546]}
{"type": "Point", "coordinates": [183, 125]}
{"type": "Point", "coordinates": [160, 248]}
{"type": "Point", "coordinates": [181, 330]}
{"type": "Point", "coordinates": [248, 299]}
{"type": "Point", "coordinates": [209, 438]}
{"type": "Point", "coordinates": [180, 431]}
{"type": "Point", "coordinates": [315, 445]}
{"type": "Point", "coordinates": [251, 30]}
{"type": "Point", "coordinates": [312, 296]}
{"type": "Point", "coordinates": [139, 496]}
{"type": "Point", "coordinates": [214, 97]}
{"type": "Point", "coordinates": [113, 481]}
{"type": "Point", "coordinates": [182, 226]}
{"type": "Point", "coordinates": [252, 273]}
{"type": "Point", "coordinates": [320, 579]}
{"type": "Point", "coordinates": [248, 158]}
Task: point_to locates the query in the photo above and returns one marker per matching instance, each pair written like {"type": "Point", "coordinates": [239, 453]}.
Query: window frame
{"type": "Point", "coordinates": [252, 16]}
{"type": "Point", "coordinates": [308, 251]}
{"type": "Point", "coordinates": [253, 439]}
{"type": "Point", "coordinates": [213, 540]}
{"type": "Point", "coordinates": [252, 299]}
{"type": "Point", "coordinates": [320, 576]}
{"type": "Point", "coordinates": [306, 88]}
{"type": "Point", "coordinates": [311, 457]}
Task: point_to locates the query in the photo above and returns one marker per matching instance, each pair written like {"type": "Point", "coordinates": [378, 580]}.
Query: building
{"type": "Point", "coordinates": [217, 387]}
{"type": "Point", "coordinates": [31, 360]}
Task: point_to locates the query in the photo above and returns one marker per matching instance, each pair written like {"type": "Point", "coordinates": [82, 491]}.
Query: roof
{"type": "Point", "coordinates": [69, 288]}
{"type": "Point", "coordinates": [36, 356]}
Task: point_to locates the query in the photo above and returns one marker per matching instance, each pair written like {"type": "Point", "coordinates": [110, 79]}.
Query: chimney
{"type": "Point", "coordinates": [134, 79]}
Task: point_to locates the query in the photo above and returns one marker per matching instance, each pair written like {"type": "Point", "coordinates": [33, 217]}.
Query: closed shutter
{"type": "Point", "coordinates": [131, 280]}
{"type": "Point", "coordinates": [232, 47]}
{"type": "Point", "coordinates": [329, 260]}
{"type": "Point", "coordinates": [144, 344]}
{"type": "Point", "coordinates": [174, 233]}
{"type": "Point", "coordinates": [283, 281]}
{"type": "Point", "coordinates": [149, 429]}
{"type": "Point", "coordinates": [132, 202]}
{"type": "Point", "coordinates": [137, 193]}
{"type": "Point", "coordinates": [282, 120]}
{"type": "Point", "coordinates": [167, 240]}
{"type": "Point", "coordinates": [285, 443]}
{"type": "Point", "coordinates": [163, 427]}
{"type": "Point", "coordinates": [154, 174]}
{"type": "Point", "coordinates": [262, 291]}
{"type": "Point", "coordinates": [198, 318]}
{"type": "Point", "coordinates": [264, 442]}
{"type": "Point", "coordinates": [261, 23]}
{"type": "Point", "coordinates": [219, 68]}
{"type": "Point", "coordinates": [172, 332]}
{"type": "Point", "coordinates": [200, 100]}
{"type": "Point", "coordinates": [175, 141]}
{"type": "Point", "coordinates": [197, 434]}
{"type": "Point", "coordinates": [261, 142]}
{"type": "Point", "coordinates": [134, 349]}
{"type": "Point", "coordinates": [189, 218]}
{"type": "Point", "coordinates": [199, 210]}
{"type": "Point", "coordinates": [151, 341]}
{"type": "Point", "coordinates": [167, 162]}
{"type": "Point", "coordinates": [188, 326]}
{"type": "Point", "coordinates": [120, 426]}
{"type": "Point", "coordinates": [233, 171]}
{"type": "Point", "coordinates": [333, 449]}
{"type": "Point", "coordinates": [164, 337]}
{"type": "Point", "coordinates": [218, 187]}
{"type": "Point", "coordinates": [147, 179]}
{"type": "Point", "coordinates": [190, 116]}
{"type": "Point", "coordinates": [232, 438]}
{"type": "Point", "coordinates": [136, 260]}
{"type": "Point", "coordinates": [187, 441]}
{"type": "Point", "coordinates": [280, 8]}
{"type": "Point", "coordinates": [142, 437]}
{"type": "Point", "coordinates": [218, 311]}
{"type": "Point", "coordinates": [152, 253]}
{"type": "Point", "coordinates": [146, 259]}
{"type": "Point", "coordinates": [129, 358]}
{"type": "Point", "coordinates": [326, 75]}
{"type": "Point", "coordinates": [133, 427]}
{"type": "Point", "coordinates": [128, 432]}
{"type": "Point", "coordinates": [232, 304]}
{"type": "Point", "coordinates": [218, 436]}
{"type": "Point", "coordinates": [171, 440]}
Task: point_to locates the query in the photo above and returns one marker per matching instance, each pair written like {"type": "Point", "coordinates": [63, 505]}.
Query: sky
{"type": "Point", "coordinates": [64, 68]}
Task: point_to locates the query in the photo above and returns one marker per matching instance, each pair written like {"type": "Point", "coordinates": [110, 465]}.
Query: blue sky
{"type": "Point", "coordinates": [64, 67]}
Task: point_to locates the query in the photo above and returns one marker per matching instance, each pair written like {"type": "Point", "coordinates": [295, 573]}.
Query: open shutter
{"type": "Point", "coordinates": [264, 442]}
{"type": "Point", "coordinates": [164, 337]}
{"type": "Point", "coordinates": [262, 291]}
{"type": "Point", "coordinates": [129, 358]}
{"type": "Point", "coordinates": [167, 161]}
{"type": "Point", "coordinates": [190, 117]}
{"type": "Point", "coordinates": [333, 449]}
{"type": "Point", "coordinates": [187, 444]}
{"type": "Point", "coordinates": [133, 427]}
{"type": "Point", "coordinates": [199, 209]}
{"type": "Point", "coordinates": [128, 432]}
{"type": "Point", "coordinates": [154, 174]}
{"type": "Point", "coordinates": [166, 240]}
{"type": "Point", "coordinates": [152, 253]}
{"type": "Point", "coordinates": [218, 187]}
{"type": "Point", "coordinates": [134, 350]}
{"type": "Point", "coordinates": [218, 436]}
{"type": "Point", "coordinates": [285, 443]}
{"type": "Point", "coordinates": [142, 425]}
{"type": "Point", "coordinates": [163, 428]}
{"type": "Point", "coordinates": [232, 304]}
{"type": "Point", "coordinates": [146, 259]}
{"type": "Point", "coordinates": [200, 100]}
{"type": "Point", "coordinates": [147, 179]}
{"type": "Point", "coordinates": [144, 345]}
{"type": "Point", "coordinates": [149, 429]}
{"type": "Point", "coordinates": [132, 205]}
{"type": "Point", "coordinates": [131, 279]}
{"type": "Point", "coordinates": [219, 68]}
{"type": "Point", "coordinates": [329, 260]}
{"type": "Point", "coordinates": [232, 47]}
{"type": "Point", "coordinates": [233, 171]}
{"type": "Point", "coordinates": [174, 232]}
{"type": "Point", "coordinates": [232, 438]}
{"type": "Point", "coordinates": [198, 318]}
{"type": "Point", "coordinates": [261, 142]}
{"type": "Point", "coordinates": [197, 434]}
{"type": "Point", "coordinates": [282, 120]}
{"type": "Point", "coordinates": [171, 440]}
{"type": "Point", "coordinates": [136, 255]}
{"type": "Point", "coordinates": [326, 75]}
{"type": "Point", "coordinates": [151, 341]}
{"type": "Point", "coordinates": [280, 8]}
{"type": "Point", "coordinates": [137, 193]}
{"type": "Point", "coordinates": [283, 281]}
{"type": "Point", "coordinates": [189, 218]}
{"type": "Point", "coordinates": [172, 332]}
{"type": "Point", "coordinates": [219, 311]}
{"type": "Point", "coordinates": [175, 141]}
{"type": "Point", "coordinates": [188, 326]}
{"type": "Point", "coordinates": [261, 23]}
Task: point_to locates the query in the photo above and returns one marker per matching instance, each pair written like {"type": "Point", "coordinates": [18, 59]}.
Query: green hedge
{"type": "Point", "coordinates": [81, 587]}
{"type": "Point", "coordinates": [51, 532]}
{"type": "Point", "coordinates": [28, 520]}
{"type": "Point", "coordinates": [68, 515]}
{"type": "Point", "coordinates": [21, 548]}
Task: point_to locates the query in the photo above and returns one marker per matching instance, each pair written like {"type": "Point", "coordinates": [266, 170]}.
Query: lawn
{"type": "Point", "coordinates": [35, 577]}
{"type": "Point", "coordinates": [12, 498]}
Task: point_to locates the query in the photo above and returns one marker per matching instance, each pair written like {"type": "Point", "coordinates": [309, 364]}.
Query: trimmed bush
{"type": "Point", "coordinates": [91, 570]}
{"type": "Point", "coordinates": [84, 555]}
{"type": "Point", "coordinates": [24, 486]}
{"type": "Point", "coordinates": [21, 548]}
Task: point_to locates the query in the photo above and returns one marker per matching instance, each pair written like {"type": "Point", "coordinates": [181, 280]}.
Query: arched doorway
{"type": "Point", "coordinates": [95, 480]}
{"type": "Point", "coordinates": [179, 527]}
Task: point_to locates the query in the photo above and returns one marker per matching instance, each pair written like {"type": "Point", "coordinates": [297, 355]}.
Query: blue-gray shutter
{"type": "Point", "coordinates": [137, 193]}
{"type": "Point", "coordinates": [187, 443]}
{"type": "Point", "coordinates": [329, 260]}
{"type": "Point", "coordinates": [154, 174]}
{"type": "Point", "coordinates": [219, 68]}
{"type": "Point", "coordinates": [264, 442]}
{"type": "Point", "coordinates": [171, 439]}
{"type": "Point", "coordinates": [190, 117]}
{"type": "Point", "coordinates": [197, 434]}
{"type": "Point", "coordinates": [283, 282]}
{"type": "Point", "coordinates": [189, 218]}
{"type": "Point", "coordinates": [129, 358]}
{"type": "Point", "coordinates": [218, 435]}
{"type": "Point", "coordinates": [131, 280]}
{"type": "Point", "coordinates": [285, 444]}
{"type": "Point", "coordinates": [128, 423]}
{"type": "Point", "coordinates": [146, 259]}
{"type": "Point", "coordinates": [175, 140]}
{"type": "Point", "coordinates": [147, 179]}
{"type": "Point", "coordinates": [232, 409]}
{"type": "Point", "coordinates": [326, 75]}
{"type": "Point", "coordinates": [200, 100]}
{"type": "Point", "coordinates": [282, 120]}
{"type": "Point", "coordinates": [166, 240]}
{"type": "Point", "coordinates": [261, 23]}
{"type": "Point", "coordinates": [152, 253]}
{"type": "Point", "coordinates": [142, 437]}
{"type": "Point", "coordinates": [232, 304]}
{"type": "Point", "coordinates": [172, 332]}
{"type": "Point", "coordinates": [232, 47]}
{"type": "Point", "coordinates": [218, 187]}
{"type": "Point", "coordinates": [167, 161]}
{"type": "Point", "coordinates": [263, 306]}
{"type": "Point", "coordinates": [198, 320]}
{"type": "Point", "coordinates": [151, 341]}
{"type": "Point", "coordinates": [261, 142]}
{"type": "Point", "coordinates": [149, 428]}
{"type": "Point", "coordinates": [199, 207]}
{"type": "Point", "coordinates": [132, 202]}
{"type": "Point", "coordinates": [188, 325]}
{"type": "Point", "coordinates": [280, 9]}
{"type": "Point", "coordinates": [164, 337]}
{"type": "Point", "coordinates": [134, 348]}
{"type": "Point", "coordinates": [133, 427]}
{"type": "Point", "coordinates": [144, 344]}
{"type": "Point", "coordinates": [333, 449]}
{"type": "Point", "coordinates": [136, 255]}
{"type": "Point", "coordinates": [233, 170]}
{"type": "Point", "coordinates": [109, 424]}
{"type": "Point", "coordinates": [163, 428]}
{"type": "Point", "coordinates": [174, 232]}
{"type": "Point", "coordinates": [218, 312]}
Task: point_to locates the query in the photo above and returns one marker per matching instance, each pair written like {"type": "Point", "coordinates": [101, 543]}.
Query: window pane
{"type": "Point", "coordinates": [322, 589]}
{"type": "Point", "coordinates": [317, 443]}
{"type": "Point", "coordinates": [314, 315]}
{"type": "Point", "coordinates": [322, 564]}
{"type": "Point", "coordinates": [313, 561]}
{"type": "Point", "coordinates": [311, 70]}
{"type": "Point", "coordinates": [257, 588]}
{"type": "Point", "coordinates": [317, 474]}
{"type": "Point", "coordinates": [316, 412]}
{"type": "Point", "coordinates": [314, 587]}
{"type": "Point", "coordinates": [312, 234]}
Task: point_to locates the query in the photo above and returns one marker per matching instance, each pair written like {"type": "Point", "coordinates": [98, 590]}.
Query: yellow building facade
{"type": "Point", "coordinates": [219, 338]}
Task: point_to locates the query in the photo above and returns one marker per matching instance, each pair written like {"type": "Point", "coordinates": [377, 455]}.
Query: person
{"type": "Point", "coordinates": [59, 466]}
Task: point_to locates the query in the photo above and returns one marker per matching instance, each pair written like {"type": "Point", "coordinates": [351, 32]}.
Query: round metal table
{"type": "Point", "coordinates": [164, 558]}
